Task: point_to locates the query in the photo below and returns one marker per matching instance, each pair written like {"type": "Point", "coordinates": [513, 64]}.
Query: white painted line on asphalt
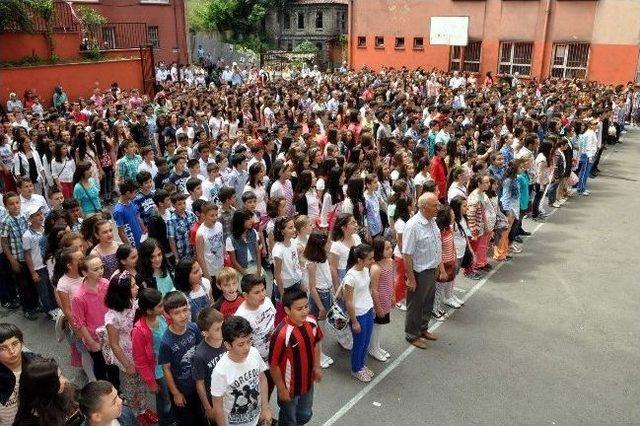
{"type": "Point", "coordinates": [384, 373]}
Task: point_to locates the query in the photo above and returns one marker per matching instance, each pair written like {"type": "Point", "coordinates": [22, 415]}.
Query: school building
{"type": "Point", "coordinates": [591, 39]}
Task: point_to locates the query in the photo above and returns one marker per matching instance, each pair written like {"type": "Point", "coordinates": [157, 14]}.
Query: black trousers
{"type": "Point", "coordinates": [537, 199]}
{"type": "Point", "coordinates": [26, 289]}
{"type": "Point", "coordinates": [191, 413]}
{"type": "Point", "coordinates": [104, 371]}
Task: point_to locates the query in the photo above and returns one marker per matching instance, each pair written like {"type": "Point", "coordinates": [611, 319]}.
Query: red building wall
{"type": "Point", "coordinates": [169, 17]}
{"type": "Point", "coordinates": [609, 26]}
{"type": "Point", "coordinates": [77, 79]}
{"type": "Point", "coordinates": [14, 46]}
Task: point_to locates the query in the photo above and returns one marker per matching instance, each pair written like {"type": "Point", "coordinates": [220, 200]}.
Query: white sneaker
{"type": "Point", "coordinates": [386, 354]}
{"type": "Point", "coordinates": [377, 354]}
{"type": "Point", "coordinates": [515, 248]}
{"type": "Point", "coordinates": [562, 201]}
{"type": "Point", "coordinates": [459, 301]}
{"type": "Point", "coordinates": [325, 361]}
{"type": "Point", "coordinates": [586, 193]}
{"type": "Point", "coordinates": [556, 205]}
{"type": "Point", "coordinates": [452, 303]}
{"type": "Point", "coordinates": [402, 306]}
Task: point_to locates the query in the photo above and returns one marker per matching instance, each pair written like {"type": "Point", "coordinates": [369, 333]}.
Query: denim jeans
{"type": "Point", "coordinates": [552, 191]}
{"type": "Point", "coordinates": [163, 403]}
{"type": "Point", "coordinates": [585, 169]}
{"type": "Point", "coordinates": [297, 411]}
{"type": "Point", "coordinates": [45, 291]}
{"type": "Point", "coordinates": [325, 298]}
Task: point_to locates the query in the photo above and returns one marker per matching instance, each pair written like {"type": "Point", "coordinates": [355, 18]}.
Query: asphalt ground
{"type": "Point", "coordinates": [550, 337]}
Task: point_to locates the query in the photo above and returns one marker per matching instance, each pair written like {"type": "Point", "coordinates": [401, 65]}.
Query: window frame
{"type": "Point", "coordinates": [565, 67]}
{"type": "Point", "coordinates": [415, 45]}
{"type": "Point", "coordinates": [378, 42]}
{"type": "Point", "coordinates": [300, 18]}
{"type": "Point", "coordinates": [150, 28]}
{"type": "Point", "coordinates": [399, 43]}
{"type": "Point", "coordinates": [361, 41]}
{"type": "Point", "coordinates": [511, 64]}
{"type": "Point", "coordinates": [319, 15]}
{"type": "Point", "coordinates": [464, 64]}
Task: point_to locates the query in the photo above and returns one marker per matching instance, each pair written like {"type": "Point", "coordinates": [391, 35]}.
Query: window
{"type": "Point", "coordinates": [342, 21]}
{"type": "Point", "coordinates": [399, 43]}
{"type": "Point", "coordinates": [319, 23]}
{"type": "Point", "coordinates": [154, 38]}
{"type": "Point", "coordinates": [289, 46]}
{"type": "Point", "coordinates": [286, 20]}
{"type": "Point", "coordinates": [379, 41]}
{"type": "Point", "coordinates": [300, 21]}
{"type": "Point", "coordinates": [362, 41]}
{"type": "Point", "coordinates": [108, 37]}
{"type": "Point", "coordinates": [466, 58]}
{"type": "Point", "coordinates": [515, 57]}
{"type": "Point", "coordinates": [418, 43]}
{"type": "Point", "coordinates": [570, 60]}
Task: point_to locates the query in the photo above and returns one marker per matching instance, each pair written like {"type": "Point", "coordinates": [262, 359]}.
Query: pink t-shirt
{"type": "Point", "coordinates": [88, 308]}
{"type": "Point", "coordinates": [69, 285]}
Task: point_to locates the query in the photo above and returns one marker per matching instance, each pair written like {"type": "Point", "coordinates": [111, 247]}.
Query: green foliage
{"type": "Point", "coordinates": [305, 46]}
{"type": "Point", "coordinates": [44, 8]}
{"type": "Point", "coordinates": [15, 14]}
{"type": "Point", "coordinates": [91, 19]}
{"type": "Point", "coordinates": [239, 20]}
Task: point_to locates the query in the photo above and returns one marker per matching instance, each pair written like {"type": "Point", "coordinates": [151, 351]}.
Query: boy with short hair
{"type": "Point", "coordinates": [128, 164]}
{"type": "Point", "coordinates": [71, 207]}
{"type": "Point", "coordinates": [157, 227]}
{"type": "Point", "coordinates": [194, 168]}
{"type": "Point", "coordinates": [194, 188]}
{"type": "Point", "coordinates": [163, 174]}
{"type": "Point", "coordinates": [55, 199]}
{"type": "Point", "coordinates": [100, 404]}
{"type": "Point", "coordinates": [212, 184]}
{"type": "Point", "coordinates": [238, 382]}
{"type": "Point", "coordinates": [38, 271]}
{"type": "Point", "coordinates": [239, 176]}
{"type": "Point", "coordinates": [227, 197]}
{"type": "Point", "coordinates": [13, 227]}
{"type": "Point", "coordinates": [144, 198]}
{"type": "Point", "coordinates": [209, 243]}
{"type": "Point", "coordinates": [206, 356]}
{"type": "Point", "coordinates": [179, 175]}
{"type": "Point", "coordinates": [178, 227]}
{"type": "Point", "coordinates": [125, 214]}
{"type": "Point", "coordinates": [147, 164]}
{"type": "Point", "coordinates": [231, 299]}
{"type": "Point", "coordinates": [12, 361]}
{"type": "Point", "coordinates": [258, 309]}
{"type": "Point", "coordinates": [175, 355]}
{"type": "Point", "coordinates": [294, 359]}
{"type": "Point", "coordinates": [28, 198]}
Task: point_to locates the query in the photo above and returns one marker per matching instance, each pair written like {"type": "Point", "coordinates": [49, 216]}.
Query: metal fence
{"type": "Point", "coordinates": [119, 35]}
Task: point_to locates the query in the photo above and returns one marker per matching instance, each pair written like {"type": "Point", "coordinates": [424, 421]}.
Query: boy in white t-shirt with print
{"type": "Point", "coordinates": [238, 383]}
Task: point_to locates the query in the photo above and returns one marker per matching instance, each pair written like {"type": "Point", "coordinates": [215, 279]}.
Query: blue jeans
{"type": "Point", "coordinates": [585, 169]}
{"type": "Point", "coordinates": [361, 341]}
{"type": "Point", "coordinates": [325, 298]}
{"type": "Point", "coordinates": [45, 291]}
{"type": "Point", "coordinates": [163, 403]}
{"type": "Point", "coordinates": [297, 411]}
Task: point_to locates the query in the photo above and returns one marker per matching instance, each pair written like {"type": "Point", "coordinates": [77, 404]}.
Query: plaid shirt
{"type": "Point", "coordinates": [13, 228]}
{"type": "Point", "coordinates": [128, 167]}
{"type": "Point", "coordinates": [178, 230]}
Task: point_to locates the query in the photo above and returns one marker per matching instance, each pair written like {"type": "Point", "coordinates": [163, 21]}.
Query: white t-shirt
{"type": "Point", "coordinates": [9, 410]}
{"type": "Point", "coordinates": [203, 290]}
{"type": "Point", "coordinates": [213, 245]}
{"type": "Point", "coordinates": [262, 322]}
{"type": "Point", "coordinates": [238, 383]}
{"type": "Point", "coordinates": [398, 226]}
{"type": "Point", "coordinates": [360, 281]}
{"type": "Point", "coordinates": [31, 241]}
{"type": "Point", "coordinates": [151, 168]}
{"type": "Point", "coordinates": [291, 272]}
{"type": "Point", "coordinates": [338, 248]}
{"type": "Point", "coordinates": [35, 200]}
{"type": "Point", "coordinates": [323, 276]}
{"type": "Point", "coordinates": [421, 179]}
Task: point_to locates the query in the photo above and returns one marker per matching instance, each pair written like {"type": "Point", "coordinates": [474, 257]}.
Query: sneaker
{"type": "Point", "coordinates": [517, 239]}
{"type": "Point", "coordinates": [585, 193]}
{"type": "Point", "coordinates": [402, 306]}
{"type": "Point", "coordinates": [437, 315]}
{"type": "Point", "coordinates": [386, 354]}
{"type": "Point", "coordinates": [54, 314]}
{"type": "Point", "coordinates": [474, 276]}
{"type": "Point", "coordinates": [556, 205]}
{"type": "Point", "coordinates": [452, 303]}
{"type": "Point", "coordinates": [562, 201]}
{"type": "Point", "coordinates": [515, 248]}
{"type": "Point", "coordinates": [378, 355]}
{"type": "Point", "coordinates": [362, 376]}
{"type": "Point", "coordinates": [525, 233]}
{"type": "Point", "coordinates": [458, 301]}
{"type": "Point", "coordinates": [441, 318]}
{"type": "Point", "coordinates": [368, 371]}
{"type": "Point", "coordinates": [325, 361]}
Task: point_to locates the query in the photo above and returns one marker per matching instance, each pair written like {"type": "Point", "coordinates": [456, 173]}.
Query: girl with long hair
{"type": "Point", "coordinates": [152, 268]}
{"type": "Point", "coordinates": [86, 189]}
{"type": "Point", "coordinates": [63, 169]}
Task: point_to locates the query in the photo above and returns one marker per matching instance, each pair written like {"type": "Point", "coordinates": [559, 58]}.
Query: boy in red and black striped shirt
{"type": "Point", "coordinates": [294, 359]}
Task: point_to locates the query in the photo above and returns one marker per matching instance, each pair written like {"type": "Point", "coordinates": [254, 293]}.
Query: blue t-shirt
{"type": "Point", "coordinates": [145, 206]}
{"type": "Point", "coordinates": [157, 333]}
{"type": "Point", "coordinates": [177, 350]}
{"type": "Point", "coordinates": [125, 216]}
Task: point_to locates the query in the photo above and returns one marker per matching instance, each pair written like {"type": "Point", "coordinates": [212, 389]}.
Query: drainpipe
{"type": "Point", "coordinates": [350, 34]}
{"type": "Point", "coordinates": [545, 37]}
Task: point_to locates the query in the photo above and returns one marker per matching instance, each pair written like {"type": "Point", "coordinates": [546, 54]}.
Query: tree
{"type": "Point", "coordinates": [15, 15]}
{"type": "Point", "coordinates": [91, 21]}
{"type": "Point", "coordinates": [45, 9]}
{"type": "Point", "coordinates": [305, 46]}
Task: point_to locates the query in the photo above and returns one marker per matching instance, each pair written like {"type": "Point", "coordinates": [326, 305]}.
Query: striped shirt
{"type": "Point", "coordinates": [292, 351]}
{"type": "Point", "coordinates": [421, 240]}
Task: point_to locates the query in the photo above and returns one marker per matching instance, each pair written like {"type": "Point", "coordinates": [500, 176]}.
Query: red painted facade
{"type": "Point", "coordinates": [607, 30]}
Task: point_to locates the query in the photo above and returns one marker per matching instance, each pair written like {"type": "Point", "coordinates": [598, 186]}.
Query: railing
{"type": "Point", "coordinates": [117, 35]}
{"type": "Point", "coordinates": [62, 20]}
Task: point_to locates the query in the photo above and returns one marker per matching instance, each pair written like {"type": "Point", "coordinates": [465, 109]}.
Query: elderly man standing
{"type": "Point", "coordinates": [422, 253]}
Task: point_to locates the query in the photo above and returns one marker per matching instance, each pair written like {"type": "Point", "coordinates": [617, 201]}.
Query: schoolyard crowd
{"type": "Point", "coordinates": [261, 219]}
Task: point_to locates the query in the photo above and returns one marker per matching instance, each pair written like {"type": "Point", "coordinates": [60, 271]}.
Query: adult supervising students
{"type": "Point", "coordinates": [422, 253]}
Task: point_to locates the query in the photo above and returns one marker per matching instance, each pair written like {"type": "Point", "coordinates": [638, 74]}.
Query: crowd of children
{"type": "Point", "coordinates": [253, 219]}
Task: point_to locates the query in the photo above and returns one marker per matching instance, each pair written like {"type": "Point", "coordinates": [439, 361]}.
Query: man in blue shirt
{"type": "Point", "coordinates": [125, 214]}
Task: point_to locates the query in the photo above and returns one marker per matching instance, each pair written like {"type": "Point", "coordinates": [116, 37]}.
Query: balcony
{"type": "Point", "coordinates": [116, 36]}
